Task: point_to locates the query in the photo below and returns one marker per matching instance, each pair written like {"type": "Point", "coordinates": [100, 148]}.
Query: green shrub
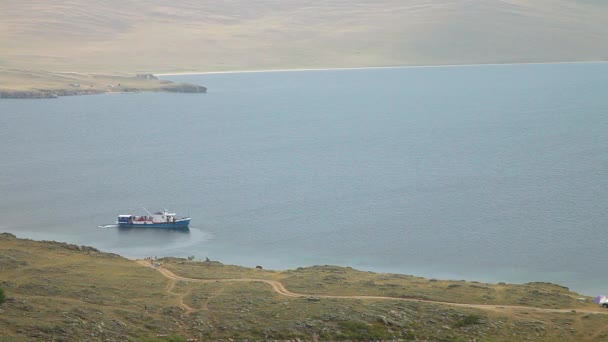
{"type": "Point", "coordinates": [171, 338]}
{"type": "Point", "coordinates": [353, 330]}
{"type": "Point", "coordinates": [468, 320]}
{"type": "Point", "coordinates": [2, 296]}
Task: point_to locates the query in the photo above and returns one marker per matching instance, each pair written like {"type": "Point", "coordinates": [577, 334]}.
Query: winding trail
{"type": "Point", "coordinates": [279, 288]}
{"type": "Point", "coordinates": [180, 297]}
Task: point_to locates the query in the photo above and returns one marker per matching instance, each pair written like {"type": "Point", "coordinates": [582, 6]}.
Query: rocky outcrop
{"type": "Point", "coordinates": [26, 94]}
{"type": "Point", "coordinates": [184, 88]}
{"type": "Point", "coordinates": [7, 236]}
{"type": "Point", "coordinates": [45, 93]}
{"type": "Point", "coordinates": [146, 76]}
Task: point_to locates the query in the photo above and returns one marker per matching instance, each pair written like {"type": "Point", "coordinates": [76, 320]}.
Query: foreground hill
{"type": "Point", "coordinates": [61, 292]}
{"type": "Point", "coordinates": [185, 35]}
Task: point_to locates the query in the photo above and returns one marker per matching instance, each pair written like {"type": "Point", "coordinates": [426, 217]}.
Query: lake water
{"type": "Point", "coordinates": [490, 173]}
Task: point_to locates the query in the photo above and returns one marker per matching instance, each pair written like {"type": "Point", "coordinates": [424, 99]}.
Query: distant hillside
{"type": "Point", "coordinates": [185, 35]}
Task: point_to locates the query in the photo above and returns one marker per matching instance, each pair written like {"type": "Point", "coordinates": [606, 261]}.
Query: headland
{"type": "Point", "coordinates": [21, 84]}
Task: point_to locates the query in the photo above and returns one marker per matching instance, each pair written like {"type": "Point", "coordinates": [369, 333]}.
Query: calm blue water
{"type": "Point", "coordinates": [491, 173]}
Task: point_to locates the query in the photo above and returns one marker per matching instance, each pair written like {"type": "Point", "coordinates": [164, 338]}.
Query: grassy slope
{"type": "Point", "coordinates": [62, 292]}
{"type": "Point", "coordinates": [186, 35]}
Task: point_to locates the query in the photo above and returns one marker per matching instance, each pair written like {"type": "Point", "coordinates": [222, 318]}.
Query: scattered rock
{"type": "Point", "coordinates": [146, 76]}
{"type": "Point", "coordinates": [27, 94]}
{"type": "Point", "coordinates": [119, 322]}
{"type": "Point", "coordinates": [184, 88]}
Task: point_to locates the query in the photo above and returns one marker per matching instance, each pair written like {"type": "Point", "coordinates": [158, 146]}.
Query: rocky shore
{"type": "Point", "coordinates": [44, 93]}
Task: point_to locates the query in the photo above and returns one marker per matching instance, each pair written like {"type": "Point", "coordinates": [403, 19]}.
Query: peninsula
{"type": "Point", "coordinates": [57, 291]}
{"type": "Point", "coordinates": [15, 83]}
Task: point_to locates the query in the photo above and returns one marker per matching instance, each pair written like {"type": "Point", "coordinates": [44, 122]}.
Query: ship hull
{"type": "Point", "coordinates": [176, 224]}
{"type": "Point", "coordinates": [160, 219]}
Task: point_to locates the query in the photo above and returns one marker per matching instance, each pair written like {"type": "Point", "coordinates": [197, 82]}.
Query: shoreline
{"type": "Point", "coordinates": [60, 291]}
{"type": "Point", "coordinates": [374, 270]}
{"type": "Point", "coordinates": [52, 87]}
{"type": "Point", "coordinates": [365, 68]}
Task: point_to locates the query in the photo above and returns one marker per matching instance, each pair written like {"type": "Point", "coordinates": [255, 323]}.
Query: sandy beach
{"type": "Point", "coordinates": [364, 68]}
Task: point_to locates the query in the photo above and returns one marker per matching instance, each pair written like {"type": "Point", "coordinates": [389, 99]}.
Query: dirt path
{"type": "Point", "coordinates": [279, 288]}
{"type": "Point", "coordinates": [180, 297]}
{"type": "Point", "coordinates": [169, 289]}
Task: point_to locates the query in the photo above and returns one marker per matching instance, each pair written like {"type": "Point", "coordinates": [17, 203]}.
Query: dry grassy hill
{"type": "Point", "coordinates": [61, 292]}
{"type": "Point", "coordinates": [186, 35]}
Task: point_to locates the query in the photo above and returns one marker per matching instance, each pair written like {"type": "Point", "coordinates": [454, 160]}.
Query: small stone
{"type": "Point", "coordinates": [119, 322]}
